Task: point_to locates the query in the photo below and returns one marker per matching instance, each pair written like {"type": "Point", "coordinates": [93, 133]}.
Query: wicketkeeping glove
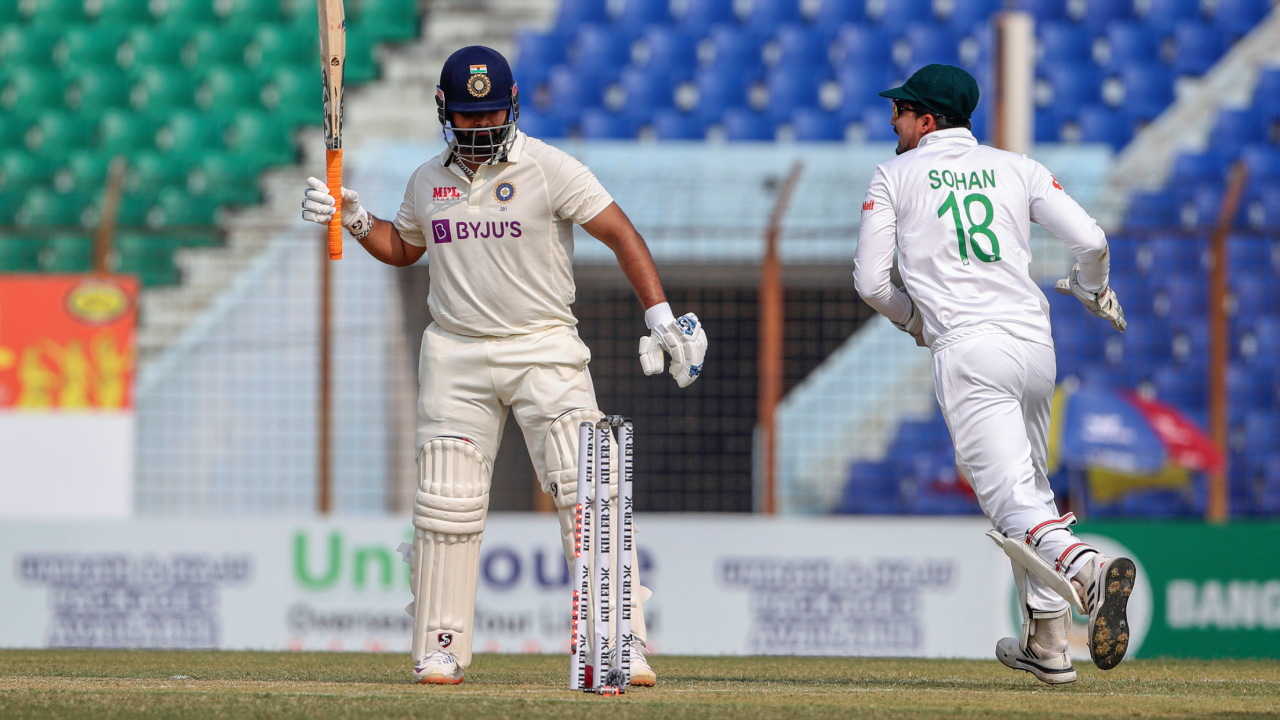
{"type": "Point", "coordinates": [914, 325]}
{"type": "Point", "coordinates": [317, 207]}
{"type": "Point", "coordinates": [682, 339]}
{"type": "Point", "coordinates": [1102, 303]}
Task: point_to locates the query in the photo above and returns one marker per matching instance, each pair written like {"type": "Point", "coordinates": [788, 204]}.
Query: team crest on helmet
{"type": "Point", "coordinates": [479, 85]}
{"type": "Point", "coordinates": [504, 193]}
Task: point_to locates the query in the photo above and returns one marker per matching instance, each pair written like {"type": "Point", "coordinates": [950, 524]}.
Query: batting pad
{"type": "Point", "coordinates": [560, 480]}
{"type": "Point", "coordinates": [448, 517]}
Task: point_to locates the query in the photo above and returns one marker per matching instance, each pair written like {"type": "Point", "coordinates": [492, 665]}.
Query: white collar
{"type": "Point", "coordinates": [958, 136]}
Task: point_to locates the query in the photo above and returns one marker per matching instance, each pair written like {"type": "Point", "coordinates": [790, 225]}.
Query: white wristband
{"type": "Point", "coordinates": [658, 316]}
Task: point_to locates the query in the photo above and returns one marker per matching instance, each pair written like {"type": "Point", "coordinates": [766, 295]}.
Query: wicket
{"type": "Point", "coordinates": [608, 669]}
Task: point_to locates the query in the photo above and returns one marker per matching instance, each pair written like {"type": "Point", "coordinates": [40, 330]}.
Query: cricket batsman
{"type": "Point", "coordinates": [494, 212]}
{"type": "Point", "coordinates": [959, 214]}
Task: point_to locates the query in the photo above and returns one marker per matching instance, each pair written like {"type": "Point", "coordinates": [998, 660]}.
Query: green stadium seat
{"type": "Point", "coordinates": [9, 13]}
{"type": "Point", "coordinates": [125, 12]}
{"type": "Point", "coordinates": [362, 56]}
{"type": "Point", "coordinates": [189, 132]}
{"type": "Point", "coordinates": [52, 13]}
{"type": "Point", "coordinates": [93, 90]}
{"type": "Point", "coordinates": [86, 170]}
{"type": "Point", "coordinates": [226, 179]}
{"type": "Point", "coordinates": [153, 169]}
{"type": "Point", "coordinates": [27, 46]}
{"type": "Point", "coordinates": [276, 45]}
{"type": "Point", "coordinates": [390, 19]}
{"type": "Point", "coordinates": [43, 206]}
{"type": "Point", "coordinates": [250, 13]}
{"type": "Point", "coordinates": [177, 208]}
{"type": "Point", "coordinates": [93, 47]}
{"type": "Point", "coordinates": [13, 131]}
{"type": "Point", "coordinates": [261, 135]}
{"type": "Point", "coordinates": [152, 46]}
{"type": "Point", "coordinates": [293, 95]}
{"type": "Point", "coordinates": [150, 258]}
{"type": "Point", "coordinates": [228, 88]}
{"type": "Point", "coordinates": [20, 254]}
{"type": "Point", "coordinates": [10, 200]}
{"type": "Point", "coordinates": [55, 133]}
{"type": "Point", "coordinates": [135, 206]}
{"type": "Point", "coordinates": [160, 89]}
{"type": "Point", "coordinates": [30, 90]}
{"type": "Point", "coordinates": [210, 46]}
{"type": "Point", "coordinates": [120, 131]}
{"type": "Point", "coordinates": [19, 169]}
{"type": "Point", "coordinates": [183, 13]}
{"type": "Point", "coordinates": [68, 254]}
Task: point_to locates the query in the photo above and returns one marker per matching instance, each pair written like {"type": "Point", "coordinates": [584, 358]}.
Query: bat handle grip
{"type": "Point", "coordinates": [333, 165]}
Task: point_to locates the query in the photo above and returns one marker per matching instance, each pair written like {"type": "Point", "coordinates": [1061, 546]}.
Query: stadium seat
{"type": "Point", "coordinates": [861, 47]}
{"type": "Point", "coordinates": [92, 90]}
{"type": "Point", "coordinates": [1063, 45]}
{"type": "Point", "coordinates": [718, 91]}
{"type": "Point", "coordinates": [386, 19]}
{"type": "Point", "coordinates": [43, 206]}
{"type": "Point", "coordinates": [967, 13]}
{"type": "Point", "coordinates": [251, 13]}
{"type": "Point", "coordinates": [929, 44]}
{"type": "Point", "coordinates": [67, 254]}
{"type": "Point", "coordinates": [120, 131]}
{"type": "Point", "coordinates": [1164, 15]}
{"type": "Point", "coordinates": [541, 125]}
{"type": "Point", "coordinates": [176, 208]}
{"type": "Point", "coordinates": [672, 124]}
{"type": "Point", "coordinates": [29, 47]}
{"type": "Point", "coordinates": [22, 169]}
{"type": "Point", "coordinates": [1197, 47]}
{"type": "Point", "coordinates": [11, 200]}
{"type": "Point", "coordinates": [800, 47]}
{"type": "Point", "coordinates": [93, 47]}
{"type": "Point", "coordinates": [603, 49]}
{"type": "Point", "coordinates": [637, 14]}
{"type": "Point", "coordinates": [701, 15]}
{"type": "Point", "coordinates": [1192, 169]}
{"type": "Point", "coordinates": [791, 88]}
{"type": "Point", "coordinates": [1147, 87]}
{"type": "Point", "coordinates": [574, 13]}
{"type": "Point", "coordinates": [255, 133]}
{"type": "Point", "coordinates": [1191, 341]}
{"type": "Point", "coordinates": [601, 124]}
{"type": "Point", "coordinates": [872, 488]}
{"type": "Point", "coordinates": [876, 123]}
{"type": "Point", "coordinates": [150, 168]}
{"type": "Point", "coordinates": [212, 46]}
{"type": "Point", "coordinates": [834, 13]}
{"type": "Point", "coordinates": [184, 13]}
{"type": "Point", "coordinates": [227, 179]}
{"type": "Point", "coordinates": [536, 53]}
{"type": "Point", "coordinates": [1151, 210]}
{"type": "Point", "coordinates": [730, 50]}
{"type": "Point", "coordinates": [1049, 125]}
{"type": "Point", "coordinates": [1252, 256]}
{"type": "Point", "coordinates": [1263, 211]}
{"type": "Point", "coordinates": [1097, 15]}
{"type": "Point", "coordinates": [1181, 296]}
{"type": "Point", "coordinates": [1182, 388]}
{"type": "Point", "coordinates": [643, 91]}
{"type": "Point", "coordinates": [122, 12]}
{"type": "Point", "coordinates": [1247, 391]}
{"type": "Point", "coordinates": [897, 14]}
{"type": "Point", "coordinates": [1255, 295]}
{"type": "Point", "coordinates": [275, 45]}
{"type": "Point", "coordinates": [1266, 94]}
{"type": "Point", "coordinates": [1146, 343]}
{"type": "Point", "coordinates": [570, 90]}
{"type": "Point", "coordinates": [28, 90]}
{"type": "Point", "coordinates": [20, 254]}
{"type": "Point", "coordinates": [288, 93]}
{"type": "Point", "coordinates": [669, 50]}
{"type": "Point", "coordinates": [860, 87]}
{"type": "Point", "coordinates": [55, 133]}
{"type": "Point", "coordinates": [185, 131]}
{"type": "Point", "coordinates": [161, 89]}
{"type": "Point", "coordinates": [1164, 256]}
{"type": "Point", "coordinates": [1099, 124]}
{"type": "Point", "coordinates": [767, 15]}
{"type": "Point", "coordinates": [812, 124]}
{"type": "Point", "coordinates": [1130, 43]}
{"type": "Point", "coordinates": [1235, 129]}
{"type": "Point", "coordinates": [225, 87]}
{"type": "Point", "coordinates": [86, 169]}
{"type": "Point", "coordinates": [52, 13]}
{"type": "Point", "coordinates": [1069, 87]}
{"type": "Point", "coordinates": [1238, 17]}
{"type": "Point", "coordinates": [150, 259]}
{"type": "Point", "coordinates": [1266, 332]}
{"type": "Point", "coordinates": [1043, 10]}
{"type": "Point", "coordinates": [742, 124]}
{"type": "Point", "coordinates": [152, 46]}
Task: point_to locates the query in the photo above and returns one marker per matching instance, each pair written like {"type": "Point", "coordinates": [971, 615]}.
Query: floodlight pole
{"type": "Point", "coordinates": [1218, 509]}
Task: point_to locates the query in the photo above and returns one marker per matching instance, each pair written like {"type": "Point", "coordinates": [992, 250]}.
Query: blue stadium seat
{"type": "Point", "coordinates": [1238, 17]}
{"type": "Point", "coordinates": [671, 124]}
{"type": "Point", "coordinates": [1181, 296]}
{"type": "Point", "coordinates": [670, 49]}
{"type": "Point", "coordinates": [1192, 169]}
{"type": "Point", "coordinates": [799, 46]}
{"type": "Point", "coordinates": [1151, 210]}
{"type": "Point", "coordinates": [1100, 124]}
{"type": "Point", "coordinates": [791, 87]}
{"type": "Point", "coordinates": [1097, 15]}
{"type": "Point", "coordinates": [1191, 342]}
{"type": "Point", "coordinates": [1131, 42]}
{"type": "Point", "coordinates": [767, 15]}
{"type": "Point", "coordinates": [813, 124]}
{"type": "Point", "coordinates": [1147, 87]}
{"type": "Point", "coordinates": [1184, 388]}
{"type": "Point", "coordinates": [1124, 250]}
{"type": "Point", "coordinates": [897, 14]}
{"type": "Point", "coordinates": [734, 51]}
{"type": "Point", "coordinates": [1266, 94]}
{"type": "Point", "coordinates": [834, 13]}
{"type": "Point", "coordinates": [600, 48]}
{"type": "Point", "coordinates": [743, 124]}
{"type": "Point", "coordinates": [930, 44]}
{"type": "Point", "coordinates": [863, 46]}
{"type": "Point", "coordinates": [1063, 45]}
{"type": "Point", "coordinates": [636, 14]}
{"type": "Point", "coordinates": [1235, 129]}
{"type": "Point", "coordinates": [1255, 296]}
{"type": "Point", "coordinates": [1247, 390]}
{"type": "Point", "coordinates": [1263, 162]}
{"type": "Point", "coordinates": [1072, 86]}
{"type": "Point", "coordinates": [1266, 332]}
{"type": "Point", "coordinates": [1146, 342]}
{"type": "Point", "coordinates": [871, 488]}
{"type": "Point", "coordinates": [644, 91]}
{"type": "Point", "coordinates": [1164, 15]}
{"type": "Point", "coordinates": [536, 54]}
{"type": "Point", "coordinates": [966, 13]}
{"type": "Point", "coordinates": [571, 90]}
{"type": "Point", "coordinates": [1163, 256]}
{"type": "Point", "coordinates": [1264, 211]}
{"type": "Point", "coordinates": [601, 124]}
{"type": "Point", "coordinates": [718, 91]}
{"type": "Point", "coordinates": [860, 87]}
{"type": "Point", "coordinates": [876, 122]}
{"type": "Point", "coordinates": [1198, 47]}
{"type": "Point", "coordinates": [578, 12]}
{"type": "Point", "coordinates": [1261, 434]}
{"type": "Point", "coordinates": [700, 15]}
{"type": "Point", "coordinates": [1251, 256]}
{"type": "Point", "coordinates": [1043, 9]}
{"type": "Point", "coordinates": [1049, 124]}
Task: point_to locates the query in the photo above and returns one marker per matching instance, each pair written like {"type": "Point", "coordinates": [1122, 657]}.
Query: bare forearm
{"type": "Point", "coordinates": [613, 228]}
{"type": "Point", "coordinates": [385, 244]}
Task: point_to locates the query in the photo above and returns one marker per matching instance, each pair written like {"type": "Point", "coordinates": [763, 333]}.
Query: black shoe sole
{"type": "Point", "coordinates": [1109, 633]}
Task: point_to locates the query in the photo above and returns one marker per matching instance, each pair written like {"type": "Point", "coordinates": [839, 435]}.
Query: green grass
{"type": "Point", "coordinates": [162, 684]}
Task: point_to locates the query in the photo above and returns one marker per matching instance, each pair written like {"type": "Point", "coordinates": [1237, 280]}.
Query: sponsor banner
{"type": "Point", "coordinates": [932, 587]}
{"type": "Point", "coordinates": [66, 395]}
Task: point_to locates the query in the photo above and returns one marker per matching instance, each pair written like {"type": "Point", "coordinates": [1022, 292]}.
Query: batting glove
{"type": "Point", "coordinates": [317, 207]}
{"type": "Point", "coordinates": [682, 338]}
{"type": "Point", "coordinates": [1102, 303]}
{"type": "Point", "coordinates": [913, 325]}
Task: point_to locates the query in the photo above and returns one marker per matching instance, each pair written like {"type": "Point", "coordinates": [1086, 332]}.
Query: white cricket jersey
{"type": "Point", "coordinates": [500, 248]}
{"type": "Point", "coordinates": [959, 215]}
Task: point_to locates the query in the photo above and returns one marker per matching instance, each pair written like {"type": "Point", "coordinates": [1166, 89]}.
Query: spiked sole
{"type": "Point", "coordinates": [441, 680]}
{"type": "Point", "coordinates": [1109, 630]}
{"type": "Point", "coordinates": [1044, 675]}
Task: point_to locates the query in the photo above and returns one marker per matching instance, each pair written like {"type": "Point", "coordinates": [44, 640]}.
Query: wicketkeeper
{"type": "Point", "coordinates": [494, 212]}
{"type": "Point", "coordinates": [959, 214]}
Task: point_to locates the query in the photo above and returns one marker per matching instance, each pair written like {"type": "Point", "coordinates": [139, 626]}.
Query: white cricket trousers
{"type": "Point", "coordinates": [996, 391]}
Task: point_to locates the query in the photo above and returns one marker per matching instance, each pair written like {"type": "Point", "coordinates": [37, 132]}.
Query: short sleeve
{"type": "Point", "coordinates": [574, 191]}
{"type": "Point", "coordinates": [406, 221]}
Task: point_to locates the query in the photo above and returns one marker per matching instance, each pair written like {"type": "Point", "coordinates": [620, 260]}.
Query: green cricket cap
{"type": "Point", "coordinates": [942, 89]}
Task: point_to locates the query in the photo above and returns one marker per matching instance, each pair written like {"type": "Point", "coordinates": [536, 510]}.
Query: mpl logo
{"type": "Point", "coordinates": [441, 194]}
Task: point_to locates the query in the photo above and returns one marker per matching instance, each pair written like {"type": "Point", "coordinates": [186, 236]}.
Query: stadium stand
{"type": "Point", "coordinates": [199, 98]}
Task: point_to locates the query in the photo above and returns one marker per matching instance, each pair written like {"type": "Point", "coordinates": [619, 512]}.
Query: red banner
{"type": "Point", "coordinates": [66, 342]}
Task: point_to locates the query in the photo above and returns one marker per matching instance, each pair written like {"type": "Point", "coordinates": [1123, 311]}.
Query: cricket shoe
{"type": "Point", "coordinates": [439, 667]}
{"type": "Point", "coordinates": [642, 673]}
{"type": "Point", "coordinates": [1045, 653]}
{"type": "Point", "coordinates": [1104, 585]}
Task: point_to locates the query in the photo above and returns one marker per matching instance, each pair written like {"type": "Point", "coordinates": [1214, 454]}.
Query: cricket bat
{"type": "Point", "coordinates": [333, 58]}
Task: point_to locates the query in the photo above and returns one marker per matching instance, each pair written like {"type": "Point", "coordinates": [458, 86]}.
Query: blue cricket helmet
{"type": "Point", "coordinates": [478, 79]}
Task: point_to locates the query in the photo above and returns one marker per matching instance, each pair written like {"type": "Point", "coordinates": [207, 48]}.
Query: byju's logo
{"type": "Point", "coordinates": [440, 231]}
